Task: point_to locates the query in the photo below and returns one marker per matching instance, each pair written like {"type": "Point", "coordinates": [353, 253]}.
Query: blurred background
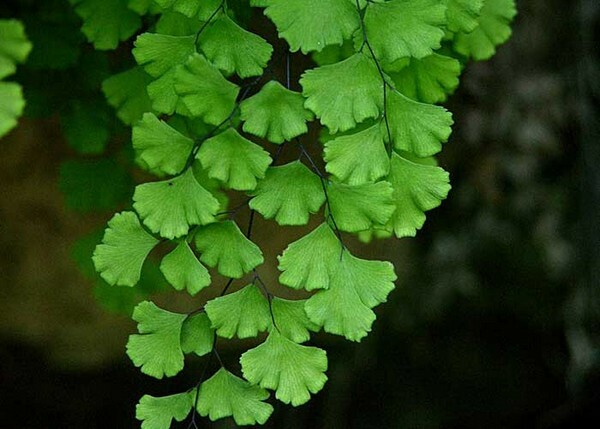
{"type": "Point", "coordinates": [495, 321]}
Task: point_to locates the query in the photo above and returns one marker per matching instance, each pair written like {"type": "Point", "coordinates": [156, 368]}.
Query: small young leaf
{"type": "Point", "coordinates": [292, 370]}
{"type": "Point", "coordinates": [327, 92]}
{"type": "Point", "coordinates": [356, 287]}
{"type": "Point", "coordinates": [158, 413]}
{"type": "Point", "coordinates": [310, 25]}
{"type": "Point", "coordinates": [233, 49]}
{"type": "Point", "coordinates": [292, 321]}
{"type": "Point", "coordinates": [224, 246]}
{"type": "Point", "coordinates": [183, 270]}
{"type": "Point", "coordinates": [418, 128]}
{"type": "Point", "coordinates": [204, 91]}
{"type": "Point", "coordinates": [127, 93]}
{"type": "Point", "coordinates": [310, 262]}
{"type": "Point", "coordinates": [125, 246]}
{"type": "Point", "coordinates": [275, 113]}
{"type": "Point", "coordinates": [288, 193]}
{"type": "Point", "coordinates": [358, 207]}
{"type": "Point", "coordinates": [244, 313]}
{"type": "Point", "coordinates": [405, 28]}
{"type": "Point", "coordinates": [197, 335]}
{"type": "Point", "coordinates": [157, 348]}
{"type": "Point", "coordinates": [358, 158]}
{"type": "Point", "coordinates": [234, 160]}
{"type": "Point", "coordinates": [171, 206]}
{"type": "Point", "coordinates": [417, 188]}
{"type": "Point", "coordinates": [225, 395]}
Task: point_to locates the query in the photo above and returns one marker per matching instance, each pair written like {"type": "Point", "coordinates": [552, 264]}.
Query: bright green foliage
{"type": "Point", "coordinates": [183, 270]}
{"type": "Point", "coordinates": [417, 188]}
{"type": "Point", "coordinates": [197, 335]}
{"type": "Point", "coordinates": [225, 247]}
{"type": "Point", "coordinates": [463, 14]}
{"type": "Point", "coordinates": [176, 24]}
{"type": "Point", "coordinates": [158, 413]}
{"type": "Point", "coordinates": [310, 25]}
{"type": "Point", "coordinates": [160, 147]}
{"type": "Point", "coordinates": [127, 93]}
{"type": "Point", "coordinates": [493, 30]}
{"type": "Point", "coordinates": [358, 207]}
{"type": "Point", "coordinates": [202, 9]}
{"type": "Point", "coordinates": [157, 347]}
{"type": "Point", "coordinates": [327, 92]}
{"type": "Point", "coordinates": [160, 55]}
{"type": "Point", "coordinates": [170, 207]}
{"type": "Point", "coordinates": [244, 313]}
{"type": "Point", "coordinates": [292, 321]}
{"type": "Point", "coordinates": [309, 263]}
{"type": "Point", "coordinates": [106, 22]}
{"type": "Point", "coordinates": [204, 91]}
{"type": "Point", "coordinates": [356, 287]}
{"type": "Point", "coordinates": [11, 106]}
{"type": "Point", "coordinates": [234, 160]}
{"type": "Point", "coordinates": [233, 49]}
{"type": "Point", "coordinates": [14, 46]}
{"type": "Point", "coordinates": [85, 126]}
{"type": "Point", "coordinates": [358, 158]}
{"type": "Point", "coordinates": [405, 28]}
{"type": "Point", "coordinates": [430, 79]}
{"type": "Point", "coordinates": [225, 395]}
{"type": "Point", "coordinates": [289, 193]}
{"type": "Point", "coordinates": [292, 370]}
{"type": "Point", "coordinates": [125, 246]}
{"type": "Point", "coordinates": [416, 127]}
{"type": "Point", "coordinates": [275, 113]}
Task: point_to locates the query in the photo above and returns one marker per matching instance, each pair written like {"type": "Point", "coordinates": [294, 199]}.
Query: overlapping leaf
{"type": "Point", "coordinates": [292, 321]}
{"type": "Point", "coordinates": [201, 9]}
{"type": "Point", "coordinates": [463, 15]}
{"type": "Point", "coordinates": [197, 334]}
{"type": "Point", "coordinates": [14, 46]}
{"type": "Point", "coordinates": [183, 270]}
{"type": "Point", "coordinates": [127, 93]}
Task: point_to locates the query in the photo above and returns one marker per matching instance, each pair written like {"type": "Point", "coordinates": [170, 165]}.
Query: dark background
{"type": "Point", "coordinates": [495, 319]}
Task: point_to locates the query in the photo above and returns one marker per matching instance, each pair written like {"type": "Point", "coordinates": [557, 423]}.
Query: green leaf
{"type": "Point", "coordinates": [310, 25]}
{"type": "Point", "coordinates": [127, 93]}
{"type": "Point", "coordinates": [204, 91]}
{"type": "Point", "coordinates": [106, 22]}
{"type": "Point", "coordinates": [292, 370]}
{"type": "Point", "coordinates": [358, 158]}
{"type": "Point", "coordinates": [197, 335]}
{"type": "Point", "coordinates": [224, 246]}
{"type": "Point", "coordinates": [183, 270]}
{"type": "Point", "coordinates": [289, 193]}
{"type": "Point", "coordinates": [160, 55]}
{"type": "Point", "coordinates": [156, 349]}
{"type": "Point", "coordinates": [244, 313]}
{"type": "Point", "coordinates": [405, 28]}
{"type": "Point", "coordinates": [417, 188]}
{"type": "Point", "coordinates": [356, 287]}
{"type": "Point", "coordinates": [430, 79]}
{"type": "Point", "coordinates": [202, 9]}
{"type": "Point", "coordinates": [158, 413]}
{"type": "Point", "coordinates": [94, 184]}
{"type": "Point", "coordinates": [275, 113]}
{"type": "Point", "coordinates": [225, 395]}
{"type": "Point", "coordinates": [234, 160]}
{"type": "Point", "coordinates": [171, 206]}
{"type": "Point", "coordinates": [11, 106]}
{"type": "Point", "coordinates": [416, 127]}
{"type": "Point", "coordinates": [160, 147]}
{"type": "Point", "coordinates": [233, 49]}
{"type": "Point", "coordinates": [309, 262]}
{"type": "Point", "coordinates": [176, 24]}
{"type": "Point", "coordinates": [463, 15]}
{"type": "Point", "coordinates": [358, 207]}
{"type": "Point", "coordinates": [85, 126]}
{"type": "Point", "coordinates": [493, 30]}
{"type": "Point", "coordinates": [141, 7]}
{"type": "Point", "coordinates": [328, 94]}
{"type": "Point", "coordinates": [292, 321]}
{"type": "Point", "coordinates": [125, 246]}
{"type": "Point", "coordinates": [14, 46]}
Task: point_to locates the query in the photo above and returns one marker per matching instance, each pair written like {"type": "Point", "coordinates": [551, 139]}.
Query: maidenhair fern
{"type": "Point", "coordinates": [210, 117]}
